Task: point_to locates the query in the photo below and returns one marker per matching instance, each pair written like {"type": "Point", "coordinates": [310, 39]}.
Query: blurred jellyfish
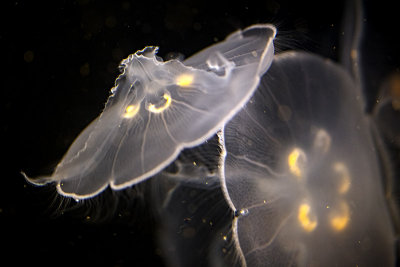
{"type": "Point", "coordinates": [193, 217]}
{"type": "Point", "coordinates": [191, 213]}
{"type": "Point", "coordinates": [302, 172]}
{"type": "Point", "coordinates": [158, 108]}
{"type": "Point", "coordinates": [387, 110]}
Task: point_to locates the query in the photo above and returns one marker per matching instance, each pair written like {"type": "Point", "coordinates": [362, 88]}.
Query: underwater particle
{"type": "Point", "coordinates": [29, 56]}
{"type": "Point", "coordinates": [85, 69]}
{"type": "Point", "coordinates": [111, 22]}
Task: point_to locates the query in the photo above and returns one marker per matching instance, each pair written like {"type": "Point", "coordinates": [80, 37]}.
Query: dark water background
{"type": "Point", "coordinates": [60, 61]}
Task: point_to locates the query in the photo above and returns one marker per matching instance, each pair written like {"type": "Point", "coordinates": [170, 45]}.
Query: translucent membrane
{"type": "Point", "coordinates": [158, 108]}
{"type": "Point", "coordinates": [301, 171]}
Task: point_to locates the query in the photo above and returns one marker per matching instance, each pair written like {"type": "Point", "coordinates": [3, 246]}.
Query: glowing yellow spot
{"type": "Point", "coordinates": [294, 161]}
{"type": "Point", "coordinates": [339, 220]}
{"type": "Point", "coordinates": [306, 222]}
{"type": "Point", "coordinates": [345, 183]}
{"type": "Point", "coordinates": [152, 107]}
{"type": "Point", "coordinates": [184, 80]}
{"type": "Point", "coordinates": [131, 111]}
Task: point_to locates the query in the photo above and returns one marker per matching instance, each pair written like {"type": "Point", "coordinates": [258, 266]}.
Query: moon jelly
{"type": "Point", "coordinates": [301, 171]}
{"type": "Point", "coordinates": [158, 108]}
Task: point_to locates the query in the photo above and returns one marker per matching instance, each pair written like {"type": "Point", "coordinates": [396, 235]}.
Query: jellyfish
{"type": "Point", "coordinates": [158, 108]}
{"type": "Point", "coordinates": [192, 214]}
{"type": "Point", "coordinates": [387, 110]}
{"type": "Point", "coordinates": [301, 171]}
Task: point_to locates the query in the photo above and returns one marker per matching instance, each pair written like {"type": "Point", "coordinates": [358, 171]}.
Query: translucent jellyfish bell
{"type": "Point", "coordinates": [158, 108]}
{"type": "Point", "coordinates": [302, 172]}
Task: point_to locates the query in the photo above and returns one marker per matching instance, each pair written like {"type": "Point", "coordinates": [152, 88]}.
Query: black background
{"type": "Point", "coordinates": [59, 62]}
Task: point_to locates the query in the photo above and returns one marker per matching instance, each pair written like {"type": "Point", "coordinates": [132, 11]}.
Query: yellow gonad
{"type": "Point", "coordinates": [339, 220]}
{"type": "Point", "coordinates": [296, 159]}
{"type": "Point", "coordinates": [131, 111]}
{"type": "Point", "coordinates": [344, 174]}
{"type": "Point", "coordinates": [306, 222]}
{"type": "Point", "coordinates": [184, 80]}
{"type": "Point", "coordinates": [168, 100]}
